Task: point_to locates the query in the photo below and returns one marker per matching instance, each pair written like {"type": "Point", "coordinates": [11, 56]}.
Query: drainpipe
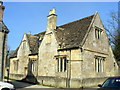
{"type": "Point", "coordinates": [81, 49]}
{"type": "Point", "coordinates": [7, 65]}
{"type": "Point", "coordinates": [3, 55]}
{"type": "Point", "coordinates": [70, 69]}
{"type": "Point", "coordinates": [37, 65]}
{"type": "Point", "coordinates": [67, 85]}
{"type": "Point", "coordinates": [68, 72]}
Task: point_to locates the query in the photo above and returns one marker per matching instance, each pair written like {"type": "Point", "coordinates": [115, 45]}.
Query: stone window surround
{"type": "Point", "coordinates": [16, 64]}
{"type": "Point", "coordinates": [99, 64]}
{"type": "Point", "coordinates": [98, 32]}
{"type": "Point", "coordinates": [33, 65]}
{"type": "Point", "coordinates": [61, 63]}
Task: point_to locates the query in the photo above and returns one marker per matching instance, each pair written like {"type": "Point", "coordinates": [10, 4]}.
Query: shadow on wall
{"type": "Point", "coordinates": [30, 78]}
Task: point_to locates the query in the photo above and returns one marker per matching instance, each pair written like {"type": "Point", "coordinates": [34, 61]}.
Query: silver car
{"type": "Point", "coordinates": [6, 86]}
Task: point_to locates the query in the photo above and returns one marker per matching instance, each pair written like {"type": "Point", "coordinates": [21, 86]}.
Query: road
{"type": "Point", "coordinates": [26, 86]}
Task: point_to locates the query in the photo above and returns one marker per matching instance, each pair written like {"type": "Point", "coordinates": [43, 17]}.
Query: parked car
{"type": "Point", "coordinates": [112, 83]}
{"type": "Point", "coordinates": [6, 86]}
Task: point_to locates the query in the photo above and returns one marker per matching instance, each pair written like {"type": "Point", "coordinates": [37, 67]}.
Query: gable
{"type": "Point", "coordinates": [97, 21]}
{"type": "Point", "coordinates": [47, 51]}
{"type": "Point", "coordinates": [32, 42]}
{"type": "Point", "coordinates": [24, 48]}
{"type": "Point", "coordinates": [93, 42]}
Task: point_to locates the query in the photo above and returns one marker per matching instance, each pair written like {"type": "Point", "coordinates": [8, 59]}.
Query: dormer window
{"type": "Point", "coordinates": [98, 32]}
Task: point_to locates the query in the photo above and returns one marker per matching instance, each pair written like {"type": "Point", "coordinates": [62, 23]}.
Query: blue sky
{"type": "Point", "coordinates": [24, 17]}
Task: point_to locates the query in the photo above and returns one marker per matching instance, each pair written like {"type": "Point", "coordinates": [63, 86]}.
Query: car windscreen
{"type": "Point", "coordinates": [112, 83]}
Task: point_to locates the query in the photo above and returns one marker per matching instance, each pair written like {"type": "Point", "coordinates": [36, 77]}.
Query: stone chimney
{"type": "Point", "coordinates": [1, 10]}
{"type": "Point", "coordinates": [51, 23]}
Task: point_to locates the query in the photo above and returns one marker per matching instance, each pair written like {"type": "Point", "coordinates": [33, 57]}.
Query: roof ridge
{"type": "Point", "coordinates": [76, 20]}
{"type": "Point", "coordinates": [31, 36]}
{"type": "Point", "coordinates": [40, 33]}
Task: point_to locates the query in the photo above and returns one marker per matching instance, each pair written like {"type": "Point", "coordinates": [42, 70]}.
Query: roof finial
{"type": "Point", "coordinates": [29, 32]}
{"type": "Point", "coordinates": [52, 11]}
{"type": "Point", "coordinates": [96, 12]}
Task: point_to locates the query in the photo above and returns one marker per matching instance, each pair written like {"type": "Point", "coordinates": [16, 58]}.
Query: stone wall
{"type": "Point", "coordinates": [88, 82]}
{"type": "Point", "coordinates": [60, 82]}
{"type": "Point", "coordinates": [22, 57]}
{"type": "Point", "coordinates": [94, 46]}
{"type": "Point", "coordinates": [46, 80]}
{"type": "Point", "coordinates": [47, 51]}
{"type": "Point", "coordinates": [74, 83]}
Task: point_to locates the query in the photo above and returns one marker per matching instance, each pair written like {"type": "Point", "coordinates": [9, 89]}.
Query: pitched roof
{"type": "Point", "coordinates": [69, 35]}
{"type": "Point", "coordinates": [72, 34]}
{"type": "Point", "coordinates": [33, 41]}
{"type": "Point", "coordinates": [14, 54]}
{"type": "Point", "coordinates": [40, 35]}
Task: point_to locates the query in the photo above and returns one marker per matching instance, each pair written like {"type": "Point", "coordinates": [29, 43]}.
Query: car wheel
{"type": "Point", "coordinates": [5, 89]}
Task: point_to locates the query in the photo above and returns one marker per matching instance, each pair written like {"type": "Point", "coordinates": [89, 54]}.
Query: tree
{"type": "Point", "coordinates": [114, 33]}
{"type": "Point", "coordinates": [116, 49]}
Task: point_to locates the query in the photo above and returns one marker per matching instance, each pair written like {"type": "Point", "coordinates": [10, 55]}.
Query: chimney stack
{"type": "Point", "coordinates": [1, 10]}
{"type": "Point", "coordinates": [51, 23]}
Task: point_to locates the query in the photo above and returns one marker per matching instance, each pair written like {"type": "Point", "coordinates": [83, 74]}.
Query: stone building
{"type": "Point", "coordinates": [76, 54]}
{"type": "Point", "coordinates": [24, 59]}
{"type": "Point", "coordinates": [3, 41]}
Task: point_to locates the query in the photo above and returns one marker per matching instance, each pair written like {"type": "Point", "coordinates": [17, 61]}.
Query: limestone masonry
{"type": "Point", "coordinates": [76, 54]}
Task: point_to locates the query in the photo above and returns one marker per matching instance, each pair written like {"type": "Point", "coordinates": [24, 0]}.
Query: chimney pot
{"type": "Point", "coordinates": [52, 11]}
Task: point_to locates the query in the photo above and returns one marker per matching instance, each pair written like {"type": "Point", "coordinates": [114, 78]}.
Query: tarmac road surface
{"type": "Point", "coordinates": [27, 86]}
{"type": "Point", "coordinates": [23, 86]}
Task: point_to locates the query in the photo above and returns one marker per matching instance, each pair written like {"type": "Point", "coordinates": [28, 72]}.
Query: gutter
{"type": "Point", "coordinates": [62, 49]}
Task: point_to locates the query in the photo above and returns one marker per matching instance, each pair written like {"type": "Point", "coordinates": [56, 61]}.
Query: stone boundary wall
{"type": "Point", "coordinates": [60, 82]}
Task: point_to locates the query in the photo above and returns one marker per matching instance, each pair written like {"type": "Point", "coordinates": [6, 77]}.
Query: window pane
{"type": "Point", "coordinates": [98, 66]}
{"type": "Point", "coordinates": [65, 64]}
{"type": "Point", "coordinates": [95, 33]}
{"type": "Point", "coordinates": [61, 64]}
{"type": "Point", "coordinates": [98, 34]}
{"type": "Point", "coordinates": [57, 65]}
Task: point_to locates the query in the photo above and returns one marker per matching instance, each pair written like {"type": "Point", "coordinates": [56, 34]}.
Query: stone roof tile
{"type": "Point", "coordinates": [72, 34]}
{"type": "Point", "coordinates": [69, 35]}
